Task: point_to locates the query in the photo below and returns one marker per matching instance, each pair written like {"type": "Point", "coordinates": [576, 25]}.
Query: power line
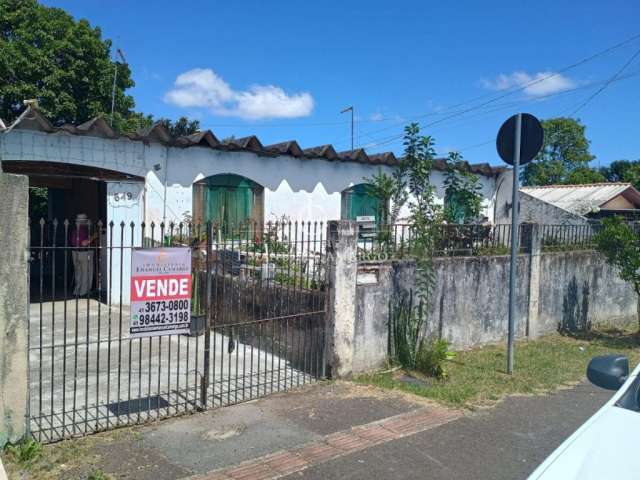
{"type": "Point", "coordinates": [517, 89]}
{"type": "Point", "coordinates": [513, 104]}
{"type": "Point", "coordinates": [606, 83]}
{"type": "Point", "coordinates": [612, 79]}
{"type": "Point", "coordinates": [392, 139]}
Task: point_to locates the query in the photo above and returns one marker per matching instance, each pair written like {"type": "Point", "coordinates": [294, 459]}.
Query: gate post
{"type": "Point", "coordinates": [14, 318]}
{"type": "Point", "coordinates": [342, 259]}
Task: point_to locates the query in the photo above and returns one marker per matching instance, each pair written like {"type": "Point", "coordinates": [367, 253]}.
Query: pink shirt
{"type": "Point", "coordinates": [79, 235]}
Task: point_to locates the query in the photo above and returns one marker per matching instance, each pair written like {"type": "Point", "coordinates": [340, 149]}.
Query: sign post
{"type": "Point", "coordinates": [519, 141]}
{"type": "Point", "coordinates": [515, 210]}
{"type": "Point", "coordinates": [160, 291]}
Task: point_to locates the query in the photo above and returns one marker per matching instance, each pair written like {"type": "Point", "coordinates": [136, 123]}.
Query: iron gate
{"type": "Point", "coordinates": [260, 290]}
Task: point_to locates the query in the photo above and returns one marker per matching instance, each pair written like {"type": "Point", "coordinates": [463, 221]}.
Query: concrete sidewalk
{"type": "Point", "coordinates": [333, 430]}
{"type": "Point", "coordinates": [505, 442]}
{"type": "Point", "coordinates": [316, 420]}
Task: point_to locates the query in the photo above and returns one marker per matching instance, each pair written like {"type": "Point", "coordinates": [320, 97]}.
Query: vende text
{"type": "Point", "coordinates": [161, 287]}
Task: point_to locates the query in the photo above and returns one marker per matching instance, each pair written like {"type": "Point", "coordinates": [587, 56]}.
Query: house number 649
{"type": "Point", "coordinates": [122, 196]}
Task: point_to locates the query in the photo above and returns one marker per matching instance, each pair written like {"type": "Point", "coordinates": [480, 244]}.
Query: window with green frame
{"type": "Point", "coordinates": [454, 207]}
{"type": "Point", "coordinates": [358, 201]}
{"type": "Point", "coordinates": [229, 201]}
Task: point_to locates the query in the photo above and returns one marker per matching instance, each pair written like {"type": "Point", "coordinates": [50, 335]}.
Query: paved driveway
{"type": "Point", "coordinates": [86, 374]}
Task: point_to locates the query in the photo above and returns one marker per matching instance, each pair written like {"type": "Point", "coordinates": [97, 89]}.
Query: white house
{"type": "Point", "coordinates": [153, 177]}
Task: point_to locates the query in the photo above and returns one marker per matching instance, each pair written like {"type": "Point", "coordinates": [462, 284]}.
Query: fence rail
{"type": "Point", "coordinates": [398, 241]}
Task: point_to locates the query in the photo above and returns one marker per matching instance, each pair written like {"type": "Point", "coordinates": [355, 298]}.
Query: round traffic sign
{"type": "Point", "coordinates": [531, 138]}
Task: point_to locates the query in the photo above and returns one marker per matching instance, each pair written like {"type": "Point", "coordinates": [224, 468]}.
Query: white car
{"type": "Point", "coordinates": [605, 446]}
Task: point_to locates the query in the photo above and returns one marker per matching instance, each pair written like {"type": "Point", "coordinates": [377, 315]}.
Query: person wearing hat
{"type": "Point", "coordinates": [82, 255]}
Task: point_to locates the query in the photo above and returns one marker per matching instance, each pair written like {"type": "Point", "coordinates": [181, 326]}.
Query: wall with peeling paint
{"type": "Point", "coordinates": [565, 289]}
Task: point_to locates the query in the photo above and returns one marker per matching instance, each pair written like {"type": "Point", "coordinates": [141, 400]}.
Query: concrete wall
{"type": "Point", "coordinates": [579, 288]}
{"type": "Point", "coordinates": [471, 303]}
{"type": "Point", "coordinates": [570, 289]}
{"type": "Point", "coordinates": [371, 330]}
{"type": "Point", "coordinates": [14, 296]}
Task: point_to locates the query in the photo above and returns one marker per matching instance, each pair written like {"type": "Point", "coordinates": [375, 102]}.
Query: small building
{"type": "Point", "coordinates": [153, 177]}
{"type": "Point", "coordinates": [578, 204]}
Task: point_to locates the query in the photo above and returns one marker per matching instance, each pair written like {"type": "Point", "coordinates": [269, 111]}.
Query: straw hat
{"type": "Point", "coordinates": [82, 218]}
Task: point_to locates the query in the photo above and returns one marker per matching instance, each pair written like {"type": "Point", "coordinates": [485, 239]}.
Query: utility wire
{"type": "Point", "coordinates": [516, 89]}
{"type": "Point", "coordinates": [502, 106]}
{"type": "Point", "coordinates": [612, 79]}
{"type": "Point", "coordinates": [608, 82]}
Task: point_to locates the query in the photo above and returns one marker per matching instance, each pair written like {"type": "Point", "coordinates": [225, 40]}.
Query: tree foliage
{"type": "Point", "coordinates": [621, 247]}
{"type": "Point", "coordinates": [623, 171]}
{"type": "Point", "coordinates": [463, 201]}
{"type": "Point", "coordinates": [565, 149]}
{"type": "Point", "coordinates": [66, 65]}
{"type": "Point", "coordinates": [425, 214]}
{"type": "Point", "coordinates": [584, 175]}
{"type": "Point", "coordinates": [181, 127]}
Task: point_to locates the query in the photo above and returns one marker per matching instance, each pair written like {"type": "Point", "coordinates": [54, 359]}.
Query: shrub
{"type": "Point", "coordinates": [431, 358]}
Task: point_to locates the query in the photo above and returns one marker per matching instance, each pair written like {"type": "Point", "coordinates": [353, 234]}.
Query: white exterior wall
{"type": "Point", "coordinates": [317, 205]}
{"type": "Point", "coordinates": [300, 189]}
{"type": "Point", "coordinates": [488, 187]}
{"type": "Point", "coordinates": [122, 208]}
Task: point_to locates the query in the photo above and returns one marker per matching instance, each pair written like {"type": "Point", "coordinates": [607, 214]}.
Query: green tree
{"type": "Point", "coordinates": [565, 149]}
{"type": "Point", "coordinates": [623, 171]}
{"type": "Point", "coordinates": [181, 127]}
{"type": "Point", "coordinates": [425, 213]}
{"type": "Point", "coordinates": [584, 175]}
{"type": "Point", "coordinates": [462, 198]}
{"type": "Point", "coordinates": [621, 247]}
{"type": "Point", "coordinates": [45, 54]}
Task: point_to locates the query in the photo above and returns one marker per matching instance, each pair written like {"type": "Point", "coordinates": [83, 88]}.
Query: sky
{"type": "Point", "coordinates": [283, 70]}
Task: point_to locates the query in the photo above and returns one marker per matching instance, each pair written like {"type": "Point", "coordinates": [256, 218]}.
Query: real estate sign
{"type": "Point", "coordinates": [160, 291]}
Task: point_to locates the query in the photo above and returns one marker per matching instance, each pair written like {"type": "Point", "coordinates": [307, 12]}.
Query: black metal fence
{"type": "Point", "coordinates": [398, 241]}
{"type": "Point", "coordinates": [259, 290]}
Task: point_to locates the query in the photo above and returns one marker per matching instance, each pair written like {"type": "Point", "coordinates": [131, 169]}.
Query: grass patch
{"type": "Point", "coordinates": [478, 377]}
{"type": "Point", "coordinates": [75, 459]}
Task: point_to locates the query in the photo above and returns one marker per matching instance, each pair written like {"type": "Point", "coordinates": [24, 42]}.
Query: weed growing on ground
{"type": "Point", "coordinates": [98, 475]}
{"type": "Point", "coordinates": [25, 452]}
{"type": "Point", "coordinates": [432, 357]}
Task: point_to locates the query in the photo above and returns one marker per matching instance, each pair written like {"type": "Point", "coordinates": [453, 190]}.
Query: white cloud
{"type": "Point", "coordinates": [533, 85]}
{"type": "Point", "coordinates": [376, 117]}
{"type": "Point", "coordinates": [203, 88]}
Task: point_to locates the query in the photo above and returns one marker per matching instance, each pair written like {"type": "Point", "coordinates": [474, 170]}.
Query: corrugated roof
{"type": "Point", "coordinates": [582, 199]}
{"type": "Point", "coordinates": [32, 119]}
